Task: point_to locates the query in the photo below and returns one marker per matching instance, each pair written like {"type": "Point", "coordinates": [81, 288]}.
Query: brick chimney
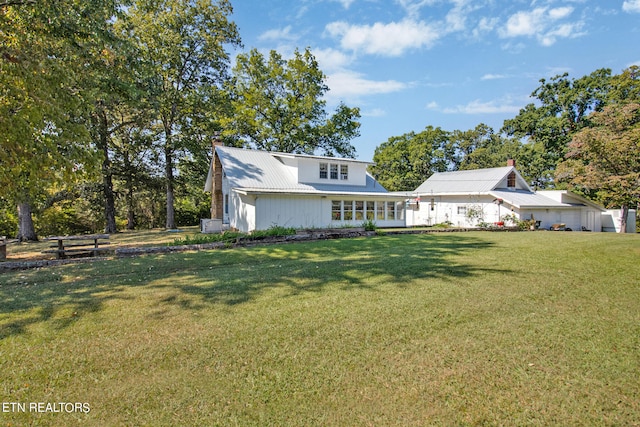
{"type": "Point", "coordinates": [511, 162]}
{"type": "Point", "coordinates": [216, 191]}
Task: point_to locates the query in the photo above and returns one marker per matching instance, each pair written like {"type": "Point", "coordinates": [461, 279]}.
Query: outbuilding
{"type": "Point", "coordinates": [496, 196]}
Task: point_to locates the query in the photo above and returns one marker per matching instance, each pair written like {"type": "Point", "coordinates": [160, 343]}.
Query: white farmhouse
{"type": "Point", "coordinates": [256, 190]}
{"type": "Point", "coordinates": [468, 198]}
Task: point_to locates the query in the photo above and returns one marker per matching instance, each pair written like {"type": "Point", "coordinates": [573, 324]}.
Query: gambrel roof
{"type": "Point", "coordinates": [256, 171]}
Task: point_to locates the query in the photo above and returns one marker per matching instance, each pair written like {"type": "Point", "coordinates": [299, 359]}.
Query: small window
{"type": "Point", "coordinates": [400, 210]}
{"type": "Point", "coordinates": [391, 211]}
{"type": "Point", "coordinates": [336, 210]}
{"type": "Point", "coordinates": [511, 180]}
{"type": "Point", "coordinates": [371, 211]}
{"type": "Point", "coordinates": [324, 168]}
{"type": "Point", "coordinates": [348, 210]}
{"type": "Point", "coordinates": [359, 211]}
{"type": "Point", "coordinates": [380, 211]}
{"type": "Point", "coordinates": [462, 210]}
{"type": "Point", "coordinates": [334, 171]}
{"type": "Point", "coordinates": [344, 172]}
{"type": "Point", "coordinates": [226, 204]}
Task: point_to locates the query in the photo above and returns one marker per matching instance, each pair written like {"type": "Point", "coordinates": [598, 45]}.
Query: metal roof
{"type": "Point", "coordinates": [255, 171]}
{"type": "Point", "coordinates": [469, 181]}
{"type": "Point", "coordinates": [527, 199]}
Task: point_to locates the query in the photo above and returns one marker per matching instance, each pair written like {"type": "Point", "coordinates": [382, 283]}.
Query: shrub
{"type": "Point", "coordinates": [369, 225]}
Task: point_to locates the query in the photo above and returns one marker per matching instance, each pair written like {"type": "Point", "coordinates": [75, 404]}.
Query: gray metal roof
{"type": "Point", "coordinates": [527, 199]}
{"type": "Point", "coordinates": [469, 181]}
{"type": "Point", "coordinates": [258, 171]}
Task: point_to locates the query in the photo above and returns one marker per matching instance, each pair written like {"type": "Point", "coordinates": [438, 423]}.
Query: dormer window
{"type": "Point", "coordinates": [324, 170]}
{"type": "Point", "coordinates": [511, 180]}
{"type": "Point", "coordinates": [334, 171]}
{"type": "Point", "coordinates": [344, 172]}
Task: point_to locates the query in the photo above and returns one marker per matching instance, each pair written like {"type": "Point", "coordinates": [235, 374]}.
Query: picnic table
{"type": "Point", "coordinates": [81, 245]}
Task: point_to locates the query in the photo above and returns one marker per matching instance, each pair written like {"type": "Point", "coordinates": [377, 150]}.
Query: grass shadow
{"type": "Point", "coordinates": [197, 280]}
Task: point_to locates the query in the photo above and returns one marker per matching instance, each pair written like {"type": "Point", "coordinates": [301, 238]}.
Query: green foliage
{"type": "Point", "coordinates": [229, 236]}
{"type": "Point", "coordinates": [278, 105]}
{"type": "Point", "coordinates": [403, 163]}
{"type": "Point", "coordinates": [273, 231]}
{"type": "Point", "coordinates": [8, 220]}
{"type": "Point", "coordinates": [369, 225]}
{"type": "Point", "coordinates": [564, 106]}
{"type": "Point", "coordinates": [65, 219]}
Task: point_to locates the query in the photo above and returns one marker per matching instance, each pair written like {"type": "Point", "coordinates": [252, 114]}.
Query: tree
{"type": "Point", "coordinates": [481, 148]}
{"type": "Point", "coordinates": [183, 43]}
{"type": "Point", "coordinates": [605, 157]}
{"type": "Point", "coordinates": [403, 163]}
{"type": "Point", "coordinates": [45, 47]}
{"type": "Point", "coordinates": [564, 104]}
{"type": "Point", "coordinates": [278, 106]}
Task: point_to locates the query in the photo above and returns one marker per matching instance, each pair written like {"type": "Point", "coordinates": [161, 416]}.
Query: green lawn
{"type": "Point", "coordinates": [446, 329]}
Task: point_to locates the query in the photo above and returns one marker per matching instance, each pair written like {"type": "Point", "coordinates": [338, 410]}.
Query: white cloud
{"type": "Point", "coordinates": [631, 6]}
{"type": "Point", "coordinates": [392, 39]}
{"type": "Point", "coordinates": [332, 59]}
{"type": "Point", "coordinates": [412, 7]}
{"type": "Point", "coordinates": [525, 23]}
{"type": "Point", "coordinates": [479, 107]}
{"type": "Point", "coordinates": [345, 3]}
{"type": "Point", "coordinates": [494, 77]}
{"type": "Point", "coordinates": [433, 105]}
{"type": "Point", "coordinates": [376, 112]}
{"type": "Point", "coordinates": [352, 85]}
{"type": "Point", "coordinates": [543, 24]}
{"type": "Point", "coordinates": [485, 25]}
{"type": "Point", "coordinates": [278, 34]}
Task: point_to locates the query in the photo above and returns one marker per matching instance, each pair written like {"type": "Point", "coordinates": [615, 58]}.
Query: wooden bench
{"type": "Point", "coordinates": [78, 246]}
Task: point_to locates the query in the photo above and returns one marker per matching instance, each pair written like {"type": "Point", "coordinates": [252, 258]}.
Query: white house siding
{"type": "Point", "coordinates": [242, 212]}
{"type": "Point", "coordinates": [438, 211]}
{"type": "Point", "coordinates": [287, 211]}
{"type": "Point", "coordinates": [314, 212]}
{"type": "Point", "coordinates": [309, 172]}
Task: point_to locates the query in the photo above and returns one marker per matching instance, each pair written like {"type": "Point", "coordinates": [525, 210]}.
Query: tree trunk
{"type": "Point", "coordinates": [107, 176]}
{"type": "Point", "coordinates": [26, 230]}
{"type": "Point", "coordinates": [171, 216]}
{"type": "Point", "coordinates": [624, 213]}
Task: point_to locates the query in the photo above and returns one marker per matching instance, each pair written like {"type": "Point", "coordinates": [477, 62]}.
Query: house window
{"type": "Point", "coordinates": [380, 211]}
{"type": "Point", "coordinates": [348, 210]}
{"type": "Point", "coordinates": [391, 211]}
{"type": "Point", "coordinates": [336, 210]}
{"type": "Point", "coordinates": [400, 210]}
{"type": "Point", "coordinates": [371, 211]}
{"type": "Point", "coordinates": [334, 171]}
{"type": "Point", "coordinates": [226, 204]}
{"type": "Point", "coordinates": [324, 170]}
{"type": "Point", "coordinates": [511, 180]}
{"type": "Point", "coordinates": [359, 211]}
{"type": "Point", "coordinates": [462, 210]}
{"type": "Point", "coordinates": [344, 172]}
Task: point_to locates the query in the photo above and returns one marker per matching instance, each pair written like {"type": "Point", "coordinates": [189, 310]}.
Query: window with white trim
{"type": "Point", "coordinates": [324, 171]}
{"type": "Point", "coordinates": [344, 172]}
{"type": "Point", "coordinates": [333, 169]}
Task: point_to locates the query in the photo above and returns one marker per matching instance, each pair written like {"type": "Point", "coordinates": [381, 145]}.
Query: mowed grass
{"type": "Point", "coordinates": [445, 329]}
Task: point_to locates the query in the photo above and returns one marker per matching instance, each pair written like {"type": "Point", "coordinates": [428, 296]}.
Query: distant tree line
{"type": "Point", "coordinates": [580, 134]}
{"type": "Point", "coordinates": [108, 107]}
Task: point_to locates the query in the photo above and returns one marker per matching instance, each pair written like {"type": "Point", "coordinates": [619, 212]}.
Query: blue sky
{"type": "Point", "coordinates": [408, 64]}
